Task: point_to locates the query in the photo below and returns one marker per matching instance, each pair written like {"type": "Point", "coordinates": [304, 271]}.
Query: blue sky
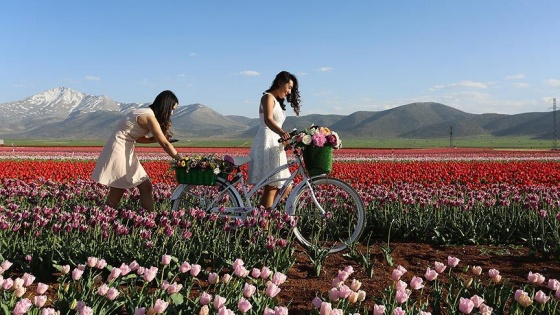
{"type": "Point", "coordinates": [479, 56]}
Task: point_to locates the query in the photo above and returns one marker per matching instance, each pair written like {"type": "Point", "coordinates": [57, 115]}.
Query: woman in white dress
{"type": "Point", "coordinates": [266, 152]}
{"type": "Point", "coordinates": [118, 166]}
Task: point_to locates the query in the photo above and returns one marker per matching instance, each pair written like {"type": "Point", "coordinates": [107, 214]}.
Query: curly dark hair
{"type": "Point", "coordinates": [293, 98]}
{"type": "Point", "coordinates": [162, 107]}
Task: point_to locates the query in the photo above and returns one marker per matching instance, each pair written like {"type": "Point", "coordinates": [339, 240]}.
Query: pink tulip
{"type": "Point", "coordinates": [213, 278]}
{"type": "Point", "coordinates": [553, 284]}
{"type": "Point", "coordinates": [465, 305]}
{"type": "Point", "coordinates": [492, 273]}
{"type": "Point", "coordinates": [268, 311]}
{"type": "Point", "coordinates": [205, 298]}
{"type": "Point", "coordinates": [344, 291]}
{"type": "Point", "coordinates": [535, 278]}
{"type": "Point", "coordinates": [28, 279]}
{"type": "Point", "coordinates": [134, 265]}
{"type": "Point", "coordinates": [244, 305]}
{"type": "Point", "coordinates": [439, 267]}
{"type": "Point", "coordinates": [280, 310]}
{"type": "Point", "coordinates": [39, 300]}
{"type": "Point", "coordinates": [342, 275]}
{"type": "Point", "coordinates": [477, 300]}
{"type": "Point", "coordinates": [396, 274]}
{"type": "Point", "coordinates": [77, 274]}
{"type": "Point", "coordinates": [453, 261]}
{"type": "Point", "coordinates": [278, 278]}
{"type": "Point", "coordinates": [92, 262]}
{"type": "Point", "coordinates": [255, 273]}
{"type": "Point", "coordinates": [402, 295]}
{"type": "Point", "coordinates": [65, 269]}
{"type": "Point", "coordinates": [316, 302]}
{"type": "Point", "coordinates": [101, 263]}
{"type": "Point", "coordinates": [6, 264]}
{"type": "Point", "coordinates": [140, 311]}
{"type": "Point", "coordinates": [430, 274]}
{"type": "Point", "coordinates": [166, 260]}
{"type": "Point", "coordinates": [160, 306]}
{"type": "Point", "coordinates": [125, 269]}
{"type": "Point", "coordinates": [22, 306]}
{"type": "Point", "coordinates": [378, 309]}
{"type": "Point", "coordinates": [86, 310]}
{"type": "Point", "coordinates": [115, 273]}
{"type": "Point", "coordinates": [48, 311]}
{"type": "Point", "coordinates": [541, 297]}
{"type": "Point", "coordinates": [416, 283]}
{"type": "Point", "coordinates": [219, 302]}
{"type": "Point", "coordinates": [102, 289]}
{"type": "Point", "coordinates": [400, 285]}
{"type": "Point", "coordinates": [325, 309]}
{"type": "Point", "coordinates": [112, 294]}
{"type": "Point", "coordinates": [240, 271]}
{"type": "Point", "coordinates": [265, 272]}
{"type": "Point", "coordinates": [42, 288]}
{"type": "Point", "coordinates": [485, 309]}
{"type": "Point", "coordinates": [185, 267]}
{"type": "Point", "coordinates": [174, 288]}
{"type": "Point", "coordinates": [399, 311]}
{"type": "Point", "coordinates": [249, 290]}
{"type": "Point", "coordinates": [226, 278]}
{"type": "Point", "coordinates": [150, 274]}
{"type": "Point", "coordinates": [195, 270]}
{"type": "Point", "coordinates": [7, 284]}
{"type": "Point", "coordinates": [333, 294]}
{"type": "Point", "coordinates": [272, 289]}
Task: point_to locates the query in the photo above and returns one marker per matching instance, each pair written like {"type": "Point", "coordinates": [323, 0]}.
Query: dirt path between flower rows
{"type": "Point", "coordinates": [513, 262]}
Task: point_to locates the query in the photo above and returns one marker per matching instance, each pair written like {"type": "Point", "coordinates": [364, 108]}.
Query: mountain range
{"type": "Point", "coordinates": [63, 113]}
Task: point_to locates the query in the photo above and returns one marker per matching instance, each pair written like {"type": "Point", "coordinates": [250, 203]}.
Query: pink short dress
{"type": "Point", "coordinates": [117, 165]}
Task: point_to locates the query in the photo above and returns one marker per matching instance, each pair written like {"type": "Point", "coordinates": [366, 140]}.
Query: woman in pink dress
{"type": "Point", "coordinates": [118, 166]}
{"type": "Point", "coordinates": [266, 152]}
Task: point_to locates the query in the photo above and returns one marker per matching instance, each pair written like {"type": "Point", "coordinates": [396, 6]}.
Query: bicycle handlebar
{"type": "Point", "coordinates": [292, 134]}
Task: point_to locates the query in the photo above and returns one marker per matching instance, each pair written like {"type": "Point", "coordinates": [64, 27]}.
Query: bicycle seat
{"type": "Point", "coordinates": [237, 160]}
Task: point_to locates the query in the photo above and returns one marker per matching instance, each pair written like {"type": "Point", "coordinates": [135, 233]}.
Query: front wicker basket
{"type": "Point", "coordinates": [195, 177]}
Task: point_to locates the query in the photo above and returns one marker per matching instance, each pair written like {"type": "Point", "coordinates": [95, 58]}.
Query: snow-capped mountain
{"type": "Point", "coordinates": [54, 105]}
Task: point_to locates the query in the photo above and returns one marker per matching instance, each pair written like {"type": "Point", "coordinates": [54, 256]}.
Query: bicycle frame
{"type": "Point", "coordinates": [245, 195]}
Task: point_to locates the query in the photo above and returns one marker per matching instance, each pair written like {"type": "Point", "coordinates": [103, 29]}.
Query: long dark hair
{"type": "Point", "coordinates": [162, 107]}
{"type": "Point", "coordinates": [293, 98]}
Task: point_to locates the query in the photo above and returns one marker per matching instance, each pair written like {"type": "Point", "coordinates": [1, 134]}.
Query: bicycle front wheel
{"type": "Point", "coordinates": [206, 197]}
{"type": "Point", "coordinates": [339, 223]}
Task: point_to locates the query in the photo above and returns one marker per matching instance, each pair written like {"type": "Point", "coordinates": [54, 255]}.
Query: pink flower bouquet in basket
{"type": "Point", "coordinates": [317, 144]}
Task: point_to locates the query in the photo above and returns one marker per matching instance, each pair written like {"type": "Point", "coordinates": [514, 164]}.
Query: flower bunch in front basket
{"type": "Point", "coordinates": [202, 163]}
{"type": "Point", "coordinates": [316, 136]}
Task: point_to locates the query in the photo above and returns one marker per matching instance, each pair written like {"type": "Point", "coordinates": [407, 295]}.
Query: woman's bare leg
{"type": "Point", "coordinates": [114, 197]}
{"type": "Point", "coordinates": [146, 198]}
{"type": "Point", "coordinates": [267, 199]}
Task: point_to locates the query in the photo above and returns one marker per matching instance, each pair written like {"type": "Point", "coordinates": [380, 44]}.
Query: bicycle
{"type": "Point", "coordinates": [329, 212]}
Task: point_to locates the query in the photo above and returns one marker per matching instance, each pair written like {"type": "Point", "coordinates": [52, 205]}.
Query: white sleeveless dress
{"type": "Point", "coordinates": [266, 153]}
{"type": "Point", "coordinates": [117, 165]}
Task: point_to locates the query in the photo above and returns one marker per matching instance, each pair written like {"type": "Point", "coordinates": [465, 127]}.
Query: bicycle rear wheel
{"type": "Point", "coordinates": [342, 221]}
{"type": "Point", "coordinates": [206, 197]}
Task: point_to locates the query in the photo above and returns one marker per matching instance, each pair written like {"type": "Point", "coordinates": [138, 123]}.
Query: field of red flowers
{"type": "Point", "coordinates": [475, 169]}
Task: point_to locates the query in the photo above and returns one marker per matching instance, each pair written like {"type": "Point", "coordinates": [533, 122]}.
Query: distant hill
{"type": "Point", "coordinates": [63, 113]}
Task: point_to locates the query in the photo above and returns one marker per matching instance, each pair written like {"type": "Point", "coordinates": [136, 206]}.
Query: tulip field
{"type": "Point", "coordinates": [62, 251]}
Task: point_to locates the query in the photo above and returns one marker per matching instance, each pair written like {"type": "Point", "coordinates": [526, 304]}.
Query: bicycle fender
{"type": "Point", "coordinates": [177, 192]}
{"type": "Point", "coordinates": [291, 199]}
